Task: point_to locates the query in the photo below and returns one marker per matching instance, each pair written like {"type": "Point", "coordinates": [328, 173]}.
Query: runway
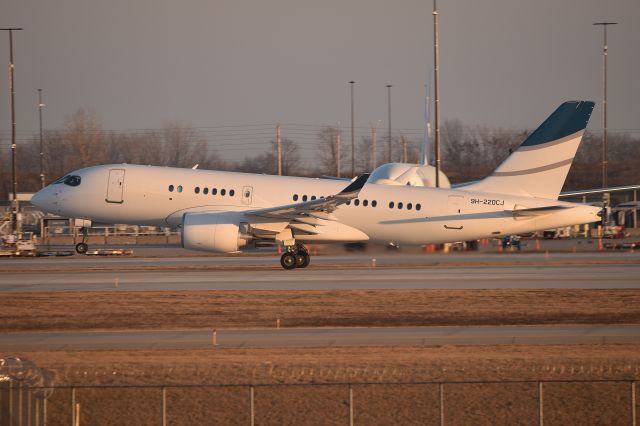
{"type": "Point", "coordinates": [624, 276]}
{"type": "Point", "coordinates": [173, 260]}
{"type": "Point", "coordinates": [320, 337]}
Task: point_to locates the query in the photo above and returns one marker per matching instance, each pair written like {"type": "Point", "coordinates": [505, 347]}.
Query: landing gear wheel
{"type": "Point", "coordinates": [82, 248]}
{"type": "Point", "coordinates": [302, 259]}
{"type": "Point", "coordinates": [288, 260]}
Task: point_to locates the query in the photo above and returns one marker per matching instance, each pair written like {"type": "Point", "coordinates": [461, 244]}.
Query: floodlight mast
{"type": "Point", "coordinates": [14, 173]}
{"type": "Point", "coordinates": [605, 160]}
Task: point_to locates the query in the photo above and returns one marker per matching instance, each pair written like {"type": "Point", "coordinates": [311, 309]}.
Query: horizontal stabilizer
{"type": "Point", "coordinates": [599, 190]}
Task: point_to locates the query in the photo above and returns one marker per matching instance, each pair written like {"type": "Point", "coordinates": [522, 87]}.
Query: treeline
{"type": "Point", "coordinates": [468, 153]}
{"type": "Point", "coordinates": [472, 152]}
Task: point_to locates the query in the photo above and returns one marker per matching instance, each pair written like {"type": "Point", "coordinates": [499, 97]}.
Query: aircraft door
{"type": "Point", "coordinates": [454, 208]}
{"type": "Point", "coordinates": [115, 186]}
{"type": "Point", "coordinates": [247, 195]}
{"type": "Point", "coordinates": [454, 204]}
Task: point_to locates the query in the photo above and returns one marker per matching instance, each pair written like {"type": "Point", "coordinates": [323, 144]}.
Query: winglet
{"type": "Point", "coordinates": [354, 187]}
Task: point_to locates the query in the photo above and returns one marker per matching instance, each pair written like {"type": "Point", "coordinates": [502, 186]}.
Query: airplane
{"type": "Point", "coordinates": [224, 211]}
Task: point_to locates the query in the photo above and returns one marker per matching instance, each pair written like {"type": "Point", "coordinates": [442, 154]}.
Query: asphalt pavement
{"type": "Point", "coordinates": [319, 337]}
{"type": "Point", "coordinates": [543, 276]}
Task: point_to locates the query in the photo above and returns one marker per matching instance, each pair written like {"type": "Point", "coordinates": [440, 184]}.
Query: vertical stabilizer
{"type": "Point", "coordinates": [539, 167]}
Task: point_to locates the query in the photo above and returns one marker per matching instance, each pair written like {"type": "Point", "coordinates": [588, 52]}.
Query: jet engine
{"type": "Point", "coordinates": [214, 232]}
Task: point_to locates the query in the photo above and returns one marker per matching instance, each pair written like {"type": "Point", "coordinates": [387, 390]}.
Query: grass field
{"type": "Point", "coordinates": [389, 308]}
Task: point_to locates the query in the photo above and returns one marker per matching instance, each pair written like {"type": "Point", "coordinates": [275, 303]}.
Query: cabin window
{"type": "Point", "coordinates": [409, 206]}
{"type": "Point", "coordinates": [365, 203]}
{"type": "Point", "coordinates": [197, 189]}
{"type": "Point", "coordinates": [295, 197]}
{"type": "Point", "coordinates": [179, 188]}
{"type": "Point", "coordinates": [205, 190]}
{"type": "Point", "coordinates": [348, 202]}
{"type": "Point", "coordinates": [399, 205]}
{"type": "Point", "coordinates": [313, 197]}
{"type": "Point", "coordinates": [374, 203]}
{"type": "Point", "coordinates": [356, 202]}
{"type": "Point", "coordinates": [418, 206]}
{"type": "Point", "coordinates": [223, 191]}
{"type": "Point", "coordinates": [170, 188]}
{"type": "Point", "coordinates": [304, 198]}
{"type": "Point", "coordinates": [214, 191]}
{"type": "Point", "coordinates": [391, 204]}
{"type": "Point", "coordinates": [232, 193]}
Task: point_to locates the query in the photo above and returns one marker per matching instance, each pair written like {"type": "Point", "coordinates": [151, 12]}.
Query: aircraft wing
{"type": "Point", "coordinates": [320, 208]}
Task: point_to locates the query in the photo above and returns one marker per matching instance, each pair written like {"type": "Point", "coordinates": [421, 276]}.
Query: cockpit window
{"type": "Point", "coordinates": [72, 180]}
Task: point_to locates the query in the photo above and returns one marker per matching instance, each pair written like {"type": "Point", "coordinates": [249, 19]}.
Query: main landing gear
{"type": "Point", "coordinates": [295, 257]}
{"type": "Point", "coordinates": [82, 247]}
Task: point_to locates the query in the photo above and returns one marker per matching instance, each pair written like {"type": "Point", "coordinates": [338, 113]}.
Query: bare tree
{"type": "Point", "coordinates": [268, 162]}
{"type": "Point", "coordinates": [472, 152]}
{"type": "Point", "coordinates": [84, 136]}
{"type": "Point", "coordinates": [332, 153]}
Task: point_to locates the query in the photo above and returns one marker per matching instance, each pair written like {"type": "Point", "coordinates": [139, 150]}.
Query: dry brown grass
{"type": "Point", "coordinates": [229, 309]}
{"type": "Point", "coordinates": [478, 404]}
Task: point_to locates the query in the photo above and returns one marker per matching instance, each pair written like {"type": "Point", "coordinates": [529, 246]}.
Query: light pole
{"type": "Point", "coordinates": [14, 172]}
{"type": "Point", "coordinates": [436, 92]}
{"type": "Point", "coordinates": [40, 106]}
{"type": "Point", "coordinates": [605, 195]}
{"type": "Point", "coordinates": [424, 149]}
{"type": "Point", "coordinates": [373, 144]}
{"type": "Point", "coordinates": [353, 137]}
{"type": "Point", "coordinates": [279, 149]}
{"type": "Point", "coordinates": [389, 110]}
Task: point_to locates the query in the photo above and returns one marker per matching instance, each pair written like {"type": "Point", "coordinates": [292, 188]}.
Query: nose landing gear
{"type": "Point", "coordinates": [82, 247]}
{"type": "Point", "coordinates": [295, 257]}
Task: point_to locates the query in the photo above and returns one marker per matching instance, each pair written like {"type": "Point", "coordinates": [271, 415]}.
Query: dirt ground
{"type": "Point", "coordinates": [311, 386]}
{"type": "Point", "coordinates": [389, 308]}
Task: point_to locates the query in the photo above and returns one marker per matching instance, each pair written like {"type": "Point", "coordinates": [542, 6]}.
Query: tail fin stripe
{"type": "Point", "coordinates": [568, 138]}
{"type": "Point", "coordinates": [535, 169]}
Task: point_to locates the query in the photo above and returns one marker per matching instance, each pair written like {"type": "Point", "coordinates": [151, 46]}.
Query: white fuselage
{"type": "Point", "coordinates": [141, 195]}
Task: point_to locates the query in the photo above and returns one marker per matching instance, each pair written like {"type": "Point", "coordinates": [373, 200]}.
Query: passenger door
{"type": "Point", "coordinates": [454, 208]}
{"type": "Point", "coordinates": [115, 186]}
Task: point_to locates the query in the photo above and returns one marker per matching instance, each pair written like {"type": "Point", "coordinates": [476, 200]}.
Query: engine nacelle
{"type": "Point", "coordinates": [215, 232]}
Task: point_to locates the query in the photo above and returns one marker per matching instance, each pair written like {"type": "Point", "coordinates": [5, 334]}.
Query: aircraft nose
{"type": "Point", "coordinates": [43, 199]}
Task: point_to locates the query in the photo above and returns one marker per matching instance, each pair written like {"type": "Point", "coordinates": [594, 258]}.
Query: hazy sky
{"type": "Point", "coordinates": [137, 63]}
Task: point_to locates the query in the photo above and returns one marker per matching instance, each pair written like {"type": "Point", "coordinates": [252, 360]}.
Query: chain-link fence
{"type": "Point", "coordinates": [473, 402]}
